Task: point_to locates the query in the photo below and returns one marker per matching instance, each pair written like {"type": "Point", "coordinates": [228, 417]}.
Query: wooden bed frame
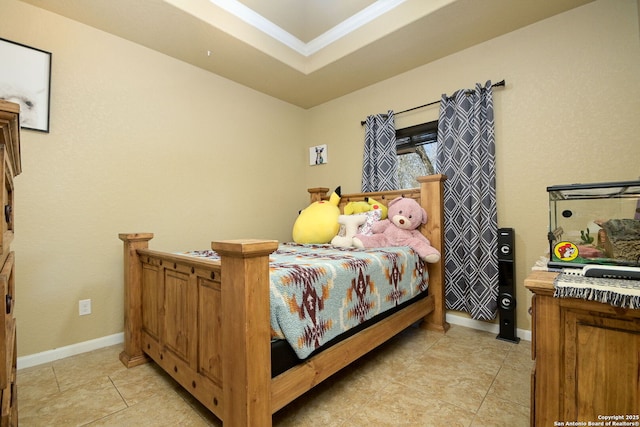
{"type": "Point", "coordinates": [206, 322]}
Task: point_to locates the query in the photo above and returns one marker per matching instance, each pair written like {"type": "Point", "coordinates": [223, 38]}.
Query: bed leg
{"type": "Point", "coordinates": [432, 196]}
{"type": "Point", "coordinates": [246, 331]}
{"type": "Point", "coordinates": [132, 355]}
{"type": "Point", "coordinates": [436, 320]}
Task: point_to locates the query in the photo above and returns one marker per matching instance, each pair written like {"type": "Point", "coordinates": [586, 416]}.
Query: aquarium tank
{"type": "Point", "coordinates": [594, 224]}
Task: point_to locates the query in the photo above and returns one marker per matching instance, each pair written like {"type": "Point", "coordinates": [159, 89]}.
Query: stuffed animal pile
{"type": "Point", "coordinates": [365, 225]}
{"type": "Point", "coordinates": [404, 216]}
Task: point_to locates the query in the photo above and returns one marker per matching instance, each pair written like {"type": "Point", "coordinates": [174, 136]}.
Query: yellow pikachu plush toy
{"type": "Point", "coordinates": [318, 222]}
{"type": "Point", "coordinates": [354, 208]}
{"type": "Point", "coordinates": [378, 206]}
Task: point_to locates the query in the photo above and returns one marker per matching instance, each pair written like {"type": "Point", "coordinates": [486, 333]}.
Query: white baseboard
{"type": "Point", "coordinates": [86, 346]}
{"type": "Point", "coordinates": [70, 350]}
{"type": "Point", "coordinates": [484, 326]}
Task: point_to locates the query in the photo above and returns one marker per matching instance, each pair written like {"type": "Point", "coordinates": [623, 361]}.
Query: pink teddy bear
{"type": "Point", "coordinates": [405, 215]}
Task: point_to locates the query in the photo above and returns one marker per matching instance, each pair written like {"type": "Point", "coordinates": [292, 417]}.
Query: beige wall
{"type": "Point", "coordinates": [138, 142]}
{"type": "Point", "coordinates": [569, 113]}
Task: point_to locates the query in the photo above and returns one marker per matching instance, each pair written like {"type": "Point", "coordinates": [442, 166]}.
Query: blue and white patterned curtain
{"type": "Point", "coordinates": [380, 163]}
{"type": "Point", "coordinates": [466, 154]}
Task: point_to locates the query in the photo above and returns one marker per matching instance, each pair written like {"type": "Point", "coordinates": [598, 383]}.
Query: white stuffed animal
{"type": "Point", "coordinates": [351, 224]}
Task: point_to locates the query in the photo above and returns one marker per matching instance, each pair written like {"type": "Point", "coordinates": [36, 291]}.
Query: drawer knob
{"type": "Point", "coordinates": [7, 213]}
{"type": "Point", "coordinates": [8, 303]}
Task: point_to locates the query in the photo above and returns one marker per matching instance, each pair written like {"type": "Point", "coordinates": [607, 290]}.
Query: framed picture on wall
{"type": "Point", "coordinates": [318, 155]}
{"type": "Point", "coordinates": [25, 78]}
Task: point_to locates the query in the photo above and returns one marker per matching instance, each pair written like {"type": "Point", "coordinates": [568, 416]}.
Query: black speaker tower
{"type": "Point", "coordinates": [506, 285]}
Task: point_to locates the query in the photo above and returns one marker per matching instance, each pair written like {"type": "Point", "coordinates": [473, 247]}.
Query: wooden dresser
{"type": "Point", "coordinates": [10, 166]}
{"type": "Point", "coordinates": [587, 359]}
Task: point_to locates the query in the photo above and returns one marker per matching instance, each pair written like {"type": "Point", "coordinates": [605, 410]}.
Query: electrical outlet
{"type": "Point", "coordinates": [84, 307]}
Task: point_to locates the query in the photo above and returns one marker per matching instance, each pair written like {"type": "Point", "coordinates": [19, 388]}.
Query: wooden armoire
{"type": "Point", "coordinates": [10, 166]}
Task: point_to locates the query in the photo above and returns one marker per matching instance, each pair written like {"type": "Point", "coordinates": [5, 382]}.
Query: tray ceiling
{"type": "Point", "coordinates": [307, 52]}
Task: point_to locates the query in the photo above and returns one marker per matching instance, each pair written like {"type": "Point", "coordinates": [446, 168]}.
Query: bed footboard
{"type": "Point", "coordinates": [132, 355]}
{"type": "Point", "coordinates": [206, 323]}
{"type": "Point", "coordinates": [247, 334]}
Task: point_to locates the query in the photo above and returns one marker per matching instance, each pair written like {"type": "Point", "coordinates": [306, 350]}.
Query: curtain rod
{"type": "Point", "coordinates": [500, 83]}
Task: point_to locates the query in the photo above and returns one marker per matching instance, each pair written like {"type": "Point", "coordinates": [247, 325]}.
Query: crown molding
{"type": "Point", "coordinates": [249, 16]}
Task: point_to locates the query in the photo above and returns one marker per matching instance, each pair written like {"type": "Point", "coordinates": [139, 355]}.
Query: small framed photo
{"type": "Point", "coordinates": [318, 155]}
{"type": "Point", "coordinates": [25, 78]}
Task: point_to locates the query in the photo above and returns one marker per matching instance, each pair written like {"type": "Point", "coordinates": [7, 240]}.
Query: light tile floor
{"type": "Point", "coordinates": [420, 378]}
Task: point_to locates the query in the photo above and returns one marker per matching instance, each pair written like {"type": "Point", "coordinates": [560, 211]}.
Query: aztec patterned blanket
{"type": "Point", "coordinates": [320, 291]}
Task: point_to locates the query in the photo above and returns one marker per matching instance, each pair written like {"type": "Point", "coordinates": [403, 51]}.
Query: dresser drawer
{"type": "Point", "coordinates": [8, 328]}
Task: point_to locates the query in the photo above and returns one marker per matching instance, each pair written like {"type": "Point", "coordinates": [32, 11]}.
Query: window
{"type": "Point", "coordinates": [416, 149]}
